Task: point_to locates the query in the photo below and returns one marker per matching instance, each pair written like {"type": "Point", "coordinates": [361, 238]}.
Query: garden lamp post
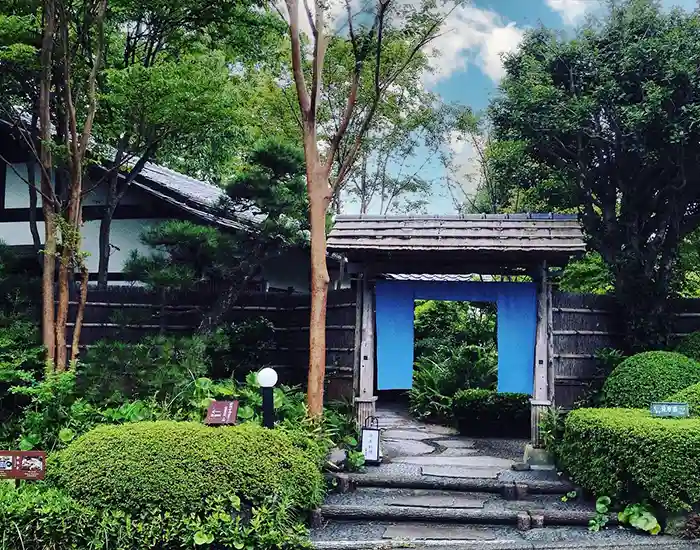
{"type": "Point", "coordinates": [267, 378]}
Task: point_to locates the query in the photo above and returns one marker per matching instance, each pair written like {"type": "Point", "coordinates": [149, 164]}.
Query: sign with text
{"type": "Point", "coordinates": [673, 410]}
{"type": "Point", "coordinates": [222, 412]}
{"type": "Point", "coordinates": [30, 465]}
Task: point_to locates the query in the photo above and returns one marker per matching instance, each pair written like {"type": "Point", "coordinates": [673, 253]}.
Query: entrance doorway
{"type": "Point", "coordinates": [516, 320]}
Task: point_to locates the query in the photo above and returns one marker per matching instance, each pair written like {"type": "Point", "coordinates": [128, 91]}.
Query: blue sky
{"type": "Point", "coordinates": [469, 66]}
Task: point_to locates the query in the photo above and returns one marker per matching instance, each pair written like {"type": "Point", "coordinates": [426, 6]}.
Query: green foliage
{"type": "Point", "coordinates": [240, 346]}
{"type": "Point", "coordinates": [480, 412]}
{"type": "Point", "coordinates": [37, 517]}
{"type": "Point", "coordinates": [436, 379]}
{"type": "Point", "coordinates": [690, 346]}
{"type": "Point", "coordinates": [455, 348]}
{"type": "Point", "coordinates": [690, 395]}
{"type": "Point", "coordinates": [175, 466]}
{"type": "Point", "coordinates": [602, 514]}
{"type": "Point", "coordinates": [570, 100]}
{"type": "Point", "coordinates": [589, 275]}
{"type": "Point", "coordinates": [113, 372]}
{"type": "Point", "coordinates": [646, 377]}
{"type": "Point", "coordinates": [552, 429]}
{"type": "Point", "coordinates": [633, 457]}
{"type": "Point", "coordinates": [641, 517]}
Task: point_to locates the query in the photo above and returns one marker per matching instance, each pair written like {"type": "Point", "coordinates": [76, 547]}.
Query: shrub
{"type": "Point", "coordinates": [486, 413]}
{"type": "Point", "coordinates": [647, 377]}
{"type": "Point", "coordinates": [174, 466]}
{"type": "Point", "coordinates": [630, 456]}
{"type": "Point", "coordinates": [114, 372]}
{"type": "Point", "coordinates": [37, 517]}
{"type": "Point", "coordinates": [690, 346]}
{"type": "Point", "coordinates": [690, 395]}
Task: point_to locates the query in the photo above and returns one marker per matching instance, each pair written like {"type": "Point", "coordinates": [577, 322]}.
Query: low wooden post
{"type": "Point", "coordinates": [540, 396]}
{"type": "Point", "coordinates": [366, 399]}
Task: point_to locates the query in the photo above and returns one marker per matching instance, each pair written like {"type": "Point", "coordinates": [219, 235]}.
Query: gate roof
{"type": "Point", "coordinates": [487, 243]}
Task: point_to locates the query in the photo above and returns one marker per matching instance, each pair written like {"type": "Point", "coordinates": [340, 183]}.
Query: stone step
{"type": "Point", "coordinates": [362, 535]}
{"type": "Point", "coordinates": [506, 483]}
{"type": "Point", "coordinates": [487, 515]}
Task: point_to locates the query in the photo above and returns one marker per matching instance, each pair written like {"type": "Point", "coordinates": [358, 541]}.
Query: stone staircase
{"type": "Point", "coordinates": [438, 490]}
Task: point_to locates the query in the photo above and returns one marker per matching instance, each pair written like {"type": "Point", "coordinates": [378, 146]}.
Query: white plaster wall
{"type": "Point", "coordinates": [124, 237]}
{"type": "Point", "coordinates": [16, 187]}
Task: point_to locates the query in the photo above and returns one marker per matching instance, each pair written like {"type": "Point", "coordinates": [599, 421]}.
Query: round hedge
{"type": "Point", "coordinates": [690, 395]}
{"type": "Point", "coordinates": [630, 456]}
{"type": "Point", "coordinates": [175, 466]}
{"type": "Point", "coordinates": [647, 377]}
{"type": "Point", "coordinates": [690, 346]}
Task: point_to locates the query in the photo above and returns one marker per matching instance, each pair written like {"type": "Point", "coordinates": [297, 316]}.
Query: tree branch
{"type": "Point", "coordinates": [297, 60]}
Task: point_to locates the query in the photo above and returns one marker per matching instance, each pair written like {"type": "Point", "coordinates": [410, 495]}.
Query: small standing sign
{"type": "Point", "coordinates": [28, 465]}
{"type": "Point", "coordinates": [370, 440]}
{"type": "Point", "coordinates": [221, 413]}
{"type": "Point", "coordinates": [673, 410]}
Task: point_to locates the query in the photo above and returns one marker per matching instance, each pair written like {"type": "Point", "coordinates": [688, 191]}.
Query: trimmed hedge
{"type": "Point", "coordinates": [690, 395]}
{"type": "Point", "coordinates": [690, 346]}
{"type": "Point", "coordinates": [175, 466]}
{"type": "Point", "coordinates": [649, 376]}
{"type": "Point", "coordinates": [630, 456]}
{"type": "Point", "coordinates": [485, 413]}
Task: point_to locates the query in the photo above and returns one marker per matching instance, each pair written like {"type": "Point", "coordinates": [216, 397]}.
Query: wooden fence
{"type": "Point", "coordinates": [130, 313]}
{"type": "Point", "coordinates": [582, 324]}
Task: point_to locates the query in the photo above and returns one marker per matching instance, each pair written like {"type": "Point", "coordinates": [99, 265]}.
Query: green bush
{"type": "Point", "coordinates": [630, 456]}
{"type": "Point", "coordinates": [37, 517]}
{"type": "Point", "coordinates": [113, 372]}
{"type": "Point", "coordinates": [647, 377]}
{"type": "Point", "coordinates": [690, 395]}
{"type": "Point", "coordinates": [690, 346]}
{"type": "Point", "coordinates": [174, 466]}
{"type": "Point", "coordinates": [485, 413]}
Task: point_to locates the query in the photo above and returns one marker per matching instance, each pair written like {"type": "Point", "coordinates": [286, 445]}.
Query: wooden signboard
{"type": "Point", "coordinates": [222, 412]}
{"type": "Point", "coordinates": [673, 410]}
{"type": "Point", "coordinates": [30, 465]}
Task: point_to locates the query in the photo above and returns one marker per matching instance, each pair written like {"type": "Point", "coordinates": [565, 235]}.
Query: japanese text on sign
{"type": "Point", "coordinates": [30, 465]}
{"type": "Point", "coordinates": [222, 412]}
{"type": "Point", "coordinates": [676, 410]}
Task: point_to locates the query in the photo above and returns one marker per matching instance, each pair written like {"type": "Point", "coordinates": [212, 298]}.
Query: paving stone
{"type": "Point", "coordinates": [437, 532]}
{"type": "Point", "coordinates": [405, 447]}
{"type": "Point", "coordinates": [456, 443]}
{"type": "Point", "coordinates": [437, 502]}
{"type": "Point", "coordinates": [440, 430]}
{"type": "Point", "coordinates": [406, 434]}
{"type": "Point", "coordinates": [461, 472]}
{"type": "Point", "coordinates": [458, 452]}
{"type": "Point", "coordinates": [468, 461]}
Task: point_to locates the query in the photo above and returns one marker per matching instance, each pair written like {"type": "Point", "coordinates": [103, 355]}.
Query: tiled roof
{"type": "Point", "coordinates": [545, 233]}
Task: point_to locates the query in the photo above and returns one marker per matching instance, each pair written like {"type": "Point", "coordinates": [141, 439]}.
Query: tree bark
{"type": "Point", "coordinates": [80, 315]}
{"type": "Point", "coordinates": [33, 201]}
{"type": "Point", "coordinates": [104, 247]}
{"type": "Point", "coordinates": [318, 204]}
{"type": "Point", "coordinates": [47, 294]}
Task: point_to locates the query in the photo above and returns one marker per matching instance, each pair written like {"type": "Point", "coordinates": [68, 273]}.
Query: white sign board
{"type": "Point", "coordinates": [370, 444]}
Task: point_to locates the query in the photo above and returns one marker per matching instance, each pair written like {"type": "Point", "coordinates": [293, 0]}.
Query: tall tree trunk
{"type": "Point", "coordinates": [104, 246]}
{"type": "Point", "coordinates": [318, 204]}
{"type": "Point", "coordinates": [80, 315]}
{"type": "Point", "coordinates": [33, 202]}
{"type": "Point", "coordinates": [47, 282]}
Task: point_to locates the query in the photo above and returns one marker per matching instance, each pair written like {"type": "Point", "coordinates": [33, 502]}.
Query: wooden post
{"type": "Point", "coordinates": [540, 395]}
{"type": "Point", "coordinates": [358, 338]}
{"type": "Point", "coordinates": [366, 399]}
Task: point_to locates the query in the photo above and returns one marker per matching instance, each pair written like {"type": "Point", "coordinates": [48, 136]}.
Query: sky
{"type": "Point", "coordinates": [470, 66]}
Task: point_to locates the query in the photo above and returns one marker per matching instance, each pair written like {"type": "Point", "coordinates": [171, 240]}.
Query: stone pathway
{"type": "Point", "coordinates": [440, 451]}
{"type": "Point", "coordinates": [437, 489]}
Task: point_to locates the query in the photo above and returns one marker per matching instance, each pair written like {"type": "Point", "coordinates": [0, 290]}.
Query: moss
{"type": "Point", "coordinates": [630, 456]}
{"type": "Point", "coordinates": [646, 377]}
{"type": "Point", "coordinates": [175, 466]}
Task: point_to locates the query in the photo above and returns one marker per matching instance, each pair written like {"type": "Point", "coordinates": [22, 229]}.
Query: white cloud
{"type": "Point", "coordinates": [474, 35]}
{"type": "Point", "coordinates": [465, 169]}
{"type": "Point", "coordinates": [571, 11]}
